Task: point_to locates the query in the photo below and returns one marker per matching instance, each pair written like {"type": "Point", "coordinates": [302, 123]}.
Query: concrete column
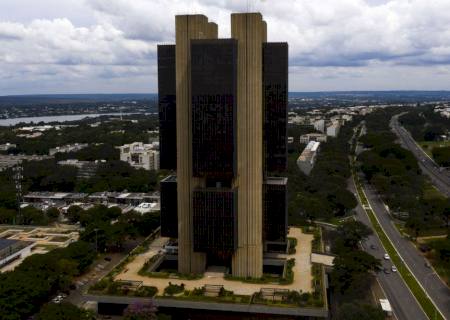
{"type": "Point", "coordinates": [250, 31]}
{"type": "Point", "coordinates": [187, 27]}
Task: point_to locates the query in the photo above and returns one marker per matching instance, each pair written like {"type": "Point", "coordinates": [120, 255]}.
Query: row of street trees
{"type": "Point", "coordinates": [396, 175]}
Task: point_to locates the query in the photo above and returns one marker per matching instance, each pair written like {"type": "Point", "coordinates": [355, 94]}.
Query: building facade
{"type": "Point", "coordinates": [140, 155]}
{"type": "Point", "coordinates": [230, 118]}
{"type": "Point", "coordinates": [333, 130]}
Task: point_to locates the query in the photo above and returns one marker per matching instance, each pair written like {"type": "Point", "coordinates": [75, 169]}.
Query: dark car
{"type": "Point", "coordinates": [107, 258]}
{"type": "Point", "coordinates": [387, 271]}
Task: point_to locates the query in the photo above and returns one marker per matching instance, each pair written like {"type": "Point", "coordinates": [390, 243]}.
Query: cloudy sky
{"type": "Point", "coordinates": [109, 46]}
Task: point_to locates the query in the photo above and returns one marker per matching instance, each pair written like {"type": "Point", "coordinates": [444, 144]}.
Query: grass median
{"type": "Point", "coordinates": [407, 276]}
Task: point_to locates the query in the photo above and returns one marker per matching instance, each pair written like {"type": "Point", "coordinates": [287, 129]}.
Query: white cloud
{"type": "Point", "coordinates": [340, 44]}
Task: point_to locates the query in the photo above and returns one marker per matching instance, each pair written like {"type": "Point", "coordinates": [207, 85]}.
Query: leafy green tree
{"type": "Point", "coordinates": [352, 232]}
{"type": "Point", "coordinates": [351, 269]}
{"type": "Point", "coordinates": [357, 311]}
{"type": "Point", "coordinates": [63, 311]}
{"type": "Point", "coordinates": [442, 156]}
{"type": "Point", "coordinates": [52, 213]}
{"type": "Point", "coordinates": [7, 216]}
{"type": "Point", "coordinates": [32, 216]}
{"type": "Point", "coordinates": [31, 284]}
{"type": "Point", "coordinates": [74, 213]}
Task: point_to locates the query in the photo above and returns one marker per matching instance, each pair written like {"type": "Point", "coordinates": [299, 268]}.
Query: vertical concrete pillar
{"type": "Point", "coordinates": [187, 27]}
{"type": "Point", "coordinates": [250, 31]}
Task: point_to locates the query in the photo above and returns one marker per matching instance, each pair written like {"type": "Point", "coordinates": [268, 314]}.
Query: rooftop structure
{"type": "Point", "coordinates": [319, 137]}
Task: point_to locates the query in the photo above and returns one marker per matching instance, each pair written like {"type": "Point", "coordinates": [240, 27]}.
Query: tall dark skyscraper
{"type": "Point", "coordinates": [223, 117]}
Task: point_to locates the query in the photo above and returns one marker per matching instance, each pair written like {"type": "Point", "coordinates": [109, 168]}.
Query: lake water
{"type": "Point", "coordinates": [74, 117]}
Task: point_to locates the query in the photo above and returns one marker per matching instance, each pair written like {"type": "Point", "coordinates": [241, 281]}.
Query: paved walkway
{"type": "Point", "coordinates": [302, 271]}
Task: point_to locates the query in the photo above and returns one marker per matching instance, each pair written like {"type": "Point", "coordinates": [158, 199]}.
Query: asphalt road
{"type": "Point", "coordinates": [439, 177]}
{"type": "Point", "coordinates": [403, 303]}
{"type": "Point", "coordinates": [430, 281]}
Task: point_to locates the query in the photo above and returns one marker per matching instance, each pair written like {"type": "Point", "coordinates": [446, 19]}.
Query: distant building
{"type": "Point", "coordinates": [63, 200]}
{"type": "Point", "coordinates": [9, 161]}
{"type": "Point", "coordinates": [140, 155]}
{"type": "Point", "coordinates": [307, 159]}
{"type": "Point", "coordinates": [347, 117]}
{"type": "Point", "coordinates": [146, 207]}
{"type": "Point", "coordinates": [68, 148]}
{"type": "Point", "coordinates": [307, 138]}
{"type": "Point", "coordinates": [319, 125]}
{"type": "Point", "coordinates": [290, 139]}
{"type": "Point", "coordinates": [86, 169]}
{"type": "Point", "coordinates": [333, 130]}
{"type": "Point", "coordinates": [7, 146]}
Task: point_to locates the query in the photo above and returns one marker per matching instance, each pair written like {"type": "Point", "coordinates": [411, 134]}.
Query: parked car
{"type": "Point", "coordinates": [386, 256]}
{"type": "Point", "coordinates": [386, 270]}
{"type": "Point", "coordinates": [394, 269]}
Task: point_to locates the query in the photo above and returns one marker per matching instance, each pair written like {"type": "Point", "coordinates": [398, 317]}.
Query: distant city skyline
{"type": "Point", "coordinates": [109, 46]}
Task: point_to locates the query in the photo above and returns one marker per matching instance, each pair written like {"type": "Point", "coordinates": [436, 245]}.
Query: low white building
{"type": "Point", "coordinates": [307, 138]}
{"type": "Point", "coordinates": [68, 148]}
{"type": "Point", "coordinates": [140, 155]}
{"type": "Point", "coordinates": [7, 146]}
{"type": "Point", "coordinates": [333, 130]}
{"type": "Point", "coordinates": [145, 207]}
{"type": "Point", "coordinates": [319, 125]}
{"type": "Point", "coordinates": [307, 158]}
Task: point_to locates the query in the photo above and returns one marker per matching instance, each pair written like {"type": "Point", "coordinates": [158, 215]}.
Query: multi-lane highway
{"type": "Point", "coordinates": [439, 177]}
{"type": "Point", "coordinates": [404, 305]}
{"type": "Point", "coordinates": [436, 289]}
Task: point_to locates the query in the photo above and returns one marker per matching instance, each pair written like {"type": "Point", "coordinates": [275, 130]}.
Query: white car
{"type": "Point", "coordinates": [386, 256]}
{"type": "Point", "coordinates": [394, 269]}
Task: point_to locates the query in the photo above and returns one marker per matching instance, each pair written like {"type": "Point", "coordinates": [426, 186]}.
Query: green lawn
{"type": "Point", "coordinates": [428, 146]}
{"type": "Point", "coordinates": [430, 192]}
{"type": "Point", "coordinates": [441, 268]}
{"type": "Point", "coordinates": [407, 276]}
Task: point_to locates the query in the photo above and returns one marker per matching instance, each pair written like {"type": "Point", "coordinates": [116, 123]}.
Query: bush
{"type": "Point", "coordinates": [172, 289]}
{"type": "Point", "coordinates": [101, 285]}
{"type": "Point", "coordinates": [292, 244]}
{"type": "Point", "coordinates": [145, 291]}
{"type": "Point", "coordinates": [289, 275]}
